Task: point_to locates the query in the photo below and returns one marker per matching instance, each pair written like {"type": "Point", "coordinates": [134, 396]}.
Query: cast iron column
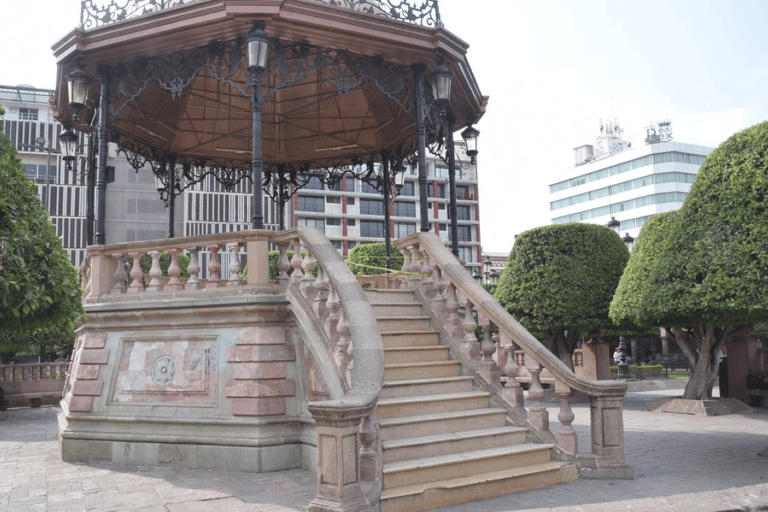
{"type": "Point", "coordinates": [89, 187]}
{"type": "Point", "coordinates": [421, 144]}
{"type": "Point", "coordinates": [452, 184]}
{"type": "Point", "coordinates": [257, 156]}
{"type": "Point", "coordinates": [101, 177]}
{"type": "Point", "coordinates": [171, 170]}
{"type": "Point", "coordinates": [387, 192]}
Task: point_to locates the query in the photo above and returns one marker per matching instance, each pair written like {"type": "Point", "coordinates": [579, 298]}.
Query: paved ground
{"type": "Point", "coordinates": [685, 463]}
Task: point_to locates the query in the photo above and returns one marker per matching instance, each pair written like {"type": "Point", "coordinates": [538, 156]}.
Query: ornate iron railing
{"type": "Point", "coordinates": [95, 13]}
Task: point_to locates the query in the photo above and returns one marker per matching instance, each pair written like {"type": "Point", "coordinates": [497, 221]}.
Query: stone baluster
{"type": "Point", "coordinates": [427, 283]}
{"type": "Point", "coordinates": [307, 285]}
{"type": "Point", "coordinates": [369, 447]}
{"type": "Point", "coordinates": [283, 265]}
{"type": "Point", "coordinates": [333, 305]}
{"type": "Point", "coordinates": [174, 271]}
{"type": "Point", "coordinates": [296, 262]}
{"type": "Point", "coordinates": [470, 345]}
{"type": "Point", "coordinates": [489, 370]}
{"type": "Point", "coordinates": [406, 260]}
{"type": "Point", "coordinates": [234, 264]}
{"type": "Point", "coordinates": [342, 353]}
{"type": "Point", "coordinates": [453, 322]}
{"type": "Point", "coordinates": [193, 269]}
{"type": "Point", "coordinates": [438, 302]}
{"type": "Point", "coordinates": [537, 412]}
{"type": "Point", "coordinates": [137, 284]}
{"type": "Point", "coordinates": [156, 283]}
{"type": "Point", "coordinates": [321, 294]}
{"type": "Point", "coordinates": [566, 438]}
{"type": "Point", "coordinates": [214, 268]}
{"type": "Point", "coordinates": [513, 391]}
{"type": "Point", "coordinates": [119, 276]}
{"type": "Point", "coordinates": [415, 263]}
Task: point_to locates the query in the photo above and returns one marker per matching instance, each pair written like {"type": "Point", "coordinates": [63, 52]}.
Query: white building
{"type": "Point", "coordinates": [614, 179]}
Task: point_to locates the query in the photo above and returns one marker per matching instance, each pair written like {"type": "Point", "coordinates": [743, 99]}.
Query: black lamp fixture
{"type": "Point", "coordinates": [629, 240]}
{"type": "Point", "coordinates": [614, 225]}
{"type": "Point", "coordinates": [400, 179]}
{"type": "Point", "coordinates": [68, 141]}
{"type": "Point", "coordinates": [494, 278]}
{"type": "Point", "coordinates": [258, 48]}
{"type": "Point", "coordinates": [78, 84]}
{"type": "Point", "coordinates": [441, 83]}
{"type": "Point", "coordinates": [470, 139]}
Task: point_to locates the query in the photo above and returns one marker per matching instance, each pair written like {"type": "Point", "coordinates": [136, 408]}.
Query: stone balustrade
{"type": "Point", "coordinates": [31, 382]}
{"type": "Point", "coordinates": [458, 306]}
{"type": "Point", "coordinates": [332, 313]}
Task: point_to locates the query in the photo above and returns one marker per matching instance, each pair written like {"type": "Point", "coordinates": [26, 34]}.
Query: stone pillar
{"type": "Point", "coordinates": [665, 338]}
{"type": "Point", "coordinates": [607, 423]}
{"type": "Point", "coordinates": [257, 253]}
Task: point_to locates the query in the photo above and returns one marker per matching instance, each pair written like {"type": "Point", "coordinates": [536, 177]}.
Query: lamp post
{"type": "Point", "coordinates": [614, 225]}
{"type": "Point", "coordinates": [441, 91]}
{"type": "Point", "coordinates": [629, 240]}
{"type": "Point", "coordinates": [258, 52]}
{"type": "Point", "coordinates": [470, 135]}
{"type": "Point", "coordinates": [78, 85]}
{"type": "Point", "coordinates": [68, 142]}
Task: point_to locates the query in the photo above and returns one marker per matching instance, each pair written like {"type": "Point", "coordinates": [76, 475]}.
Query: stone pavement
{"type": "Point", "coordinates": [682, 463]}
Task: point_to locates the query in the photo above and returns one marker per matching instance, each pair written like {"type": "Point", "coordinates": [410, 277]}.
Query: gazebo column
{"type": "Point", "coordinates": [100, 238]}
{"type": "Point", "coordinates": [421, 144]}
{"type": "Point", "coordinates": [386, 188]}
{"type": "Point", "coordinates": [258, 50]}
{"type": "Point", "coordinates": [450, 148]}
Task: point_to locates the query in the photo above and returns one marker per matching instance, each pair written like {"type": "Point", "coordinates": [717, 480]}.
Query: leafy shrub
{"type": "Point", "coordinates": [370, 259]}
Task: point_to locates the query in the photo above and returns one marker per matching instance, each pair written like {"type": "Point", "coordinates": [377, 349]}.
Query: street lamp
{"type": "Point", "coordinates": [258, 52]}
{"type": "Point", "coordinates": [614, 225]}
{"type": "Point", "coordinates": [629, 240]}
{"type": "Point", "coordinates": [470, 135]}
{"type": "Point", "coordinates": [78, 84]}
{"type": "Point", "coordinates": [68, 141]}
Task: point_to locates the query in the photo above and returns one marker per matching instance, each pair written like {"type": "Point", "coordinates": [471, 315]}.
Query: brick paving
{"type": "Point", "coordinates": [682, 462]}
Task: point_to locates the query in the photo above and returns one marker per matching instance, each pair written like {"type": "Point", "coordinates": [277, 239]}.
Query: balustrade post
{"type": "Point", "coordinates": [102, 273]}
{"type": "Point", "coordinates": [470, 345]}
{"type": "Point", "coordinates": [453, 322]}
{"type": "Point", "coordinates": [489, 370]}
{"type": "Point", "coordinates": [155, 284]}
{"type": "Point", "coordinates": [307, 285]}
{"type": "Point", "coordinates": [296, 262]}
{"type": "Point", "coordinates": [566, 438]}
{"type": "Point", "coordinates": [438, 302]}
{"type": "Point", "coordinates": [174, 271]}
{"type": "Point", "coordinates": [234, 264]}
{"type": "Point", "coordinates": [333, 306]}
{"type": "Point", "coordinates": [607, 431]}
{"type": "Point", "coordinates": [343, 355]}
{"type": "Point", "coordinates": [369, 448]}
{"type": "Point", "coordinates": [119, 276]}
{"type": "Point", "coordinates": [537, 412]}
{"type": "Point", "coordinates": [136, 274]}
{"type": "Point", "coordinates": [283, 265]}
{"type": "Point", "coordinates": [214, 268]}
{"type": "Point", "coordinates": [257, 258]}
{"type": "Point", "coordinates": [427, 284]}
{"type": "Point", "coordinates": [321, 294]}
{"type": "Point", "coordinates": [513, 391]}
{"type": "Point", "coordinates": [193, 269]}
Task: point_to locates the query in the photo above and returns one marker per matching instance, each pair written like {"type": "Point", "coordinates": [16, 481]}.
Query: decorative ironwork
{"type": "Point", "coordinates": [94, 13]}
{"type": "Point", "coordinates": [426, 12]}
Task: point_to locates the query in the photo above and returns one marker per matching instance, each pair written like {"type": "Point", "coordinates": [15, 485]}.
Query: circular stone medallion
{"type": "Point", "coordinates": [163, 369]}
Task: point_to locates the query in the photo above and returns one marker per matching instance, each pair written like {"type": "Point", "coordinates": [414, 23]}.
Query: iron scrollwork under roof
{"type": "Point", "coordinates": [96, 13]}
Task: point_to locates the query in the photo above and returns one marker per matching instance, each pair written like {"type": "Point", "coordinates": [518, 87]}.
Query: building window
{"type": "Point", "coordinates": [440, 190]}
{"type": "Point", "coordinates": [463, 192]}
{"type": "Point", "coordinates": [350, 183]}
{"type": "Point", "coordinates": [336, 244]}
{"type": "Point", "coordinates": [408, 189]}
{"type": "Point", "coordinates": [351, 222]}
{"type": "Point", "coordinates": [464, 233]}
{"type": "Point", "coordinates": [441, 171]}
{"type": "Point", "coordinates": [463, 213]}
{"type": "Point", "coordinates": [28, 114]}
{"type": "Point", "coordinates": [310, 204]}
{"type": "Point", "coordinates": [335, 186]}
{"type": "Point", "coordinates": [404, 209]}
{"type": "Point", "coordinates": [371, 229]}
{"type": "Point", "coordinates": [402, 230]}
{"type": "Point", "coordinates": [367, 188]}
{"type": "Point", "coordinates": [333, 199]}
{"type": "Point", "coordinates": [312, 223]}
{"type": "Point", "coordinates": [314, 183]}
{"type": "Point", "coordinates": [333, 221]}
{"type": "Point", "coordinates": [350, 201]}
{"type": "Point", "coordinates": [371, 207]}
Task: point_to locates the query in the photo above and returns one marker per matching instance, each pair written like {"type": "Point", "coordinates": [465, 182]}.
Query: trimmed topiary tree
{"type": "Point", "coordinates": [709, 281]}
{"type": "Point", "coordinates": [559, 281]}
{"type": "Point", "coordinates": [370, 259]}
{"type": "Point", "coordinates": [39, 290]}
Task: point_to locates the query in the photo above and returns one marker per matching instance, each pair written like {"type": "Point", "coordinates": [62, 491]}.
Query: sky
{"type": "Point", "coordinates": [552, 69]}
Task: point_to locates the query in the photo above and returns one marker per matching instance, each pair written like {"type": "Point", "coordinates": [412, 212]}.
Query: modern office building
{"type": "Point", "coordinates": [611, 178]}
{"type": "Point", "coordinates": [350, 214]}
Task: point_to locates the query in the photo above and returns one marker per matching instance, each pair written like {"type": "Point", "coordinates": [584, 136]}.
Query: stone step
{"type": "Point", "coordinates": [436, 386]}
{"type": "Point", "coordinates": [453, 442]}
{"type": "Point", "coordinates": [378, 296]}
{"type": "Point", "coordinates": [399, 309]}
{"type": "Point", "coordinates": [443, 423]}
{"type": "Point", "coordinates": [431, 404]}
{"type": "Point", "coordinates": [427, 496]}
{"type": "Point", "coordinates": [409, 338]}
{"type": "Point", "coordinates": [404, 323]}
{"type": "Point", "coordinates": [455, 465]}
{"type": "Point", "coordinates": [397, 355]}
{"type": "Point", "coordinates": [426, 370]}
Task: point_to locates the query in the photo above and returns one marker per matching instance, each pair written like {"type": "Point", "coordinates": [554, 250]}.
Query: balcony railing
{"type": "Point", "coordinates": [95, 13]}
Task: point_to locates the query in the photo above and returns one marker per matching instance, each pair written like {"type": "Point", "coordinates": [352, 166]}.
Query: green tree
{"type": "Point", "coordinates": [559, 281]}
{"type": "Point", "coordinates": [39, 288]}
{"type": "Point", "coordinates": [708, 283]}
{"type": "Point", "coordinates": [370, 259]}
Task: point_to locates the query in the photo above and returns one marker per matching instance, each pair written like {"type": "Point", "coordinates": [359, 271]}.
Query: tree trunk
{"type": "Point", "coordinates": [558, 344]}
{"type": "Point", "coordinates": [702, 347]}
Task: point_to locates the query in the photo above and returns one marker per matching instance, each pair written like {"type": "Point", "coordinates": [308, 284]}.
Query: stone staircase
{"type": "Point", "coordinates": [443, 442]}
